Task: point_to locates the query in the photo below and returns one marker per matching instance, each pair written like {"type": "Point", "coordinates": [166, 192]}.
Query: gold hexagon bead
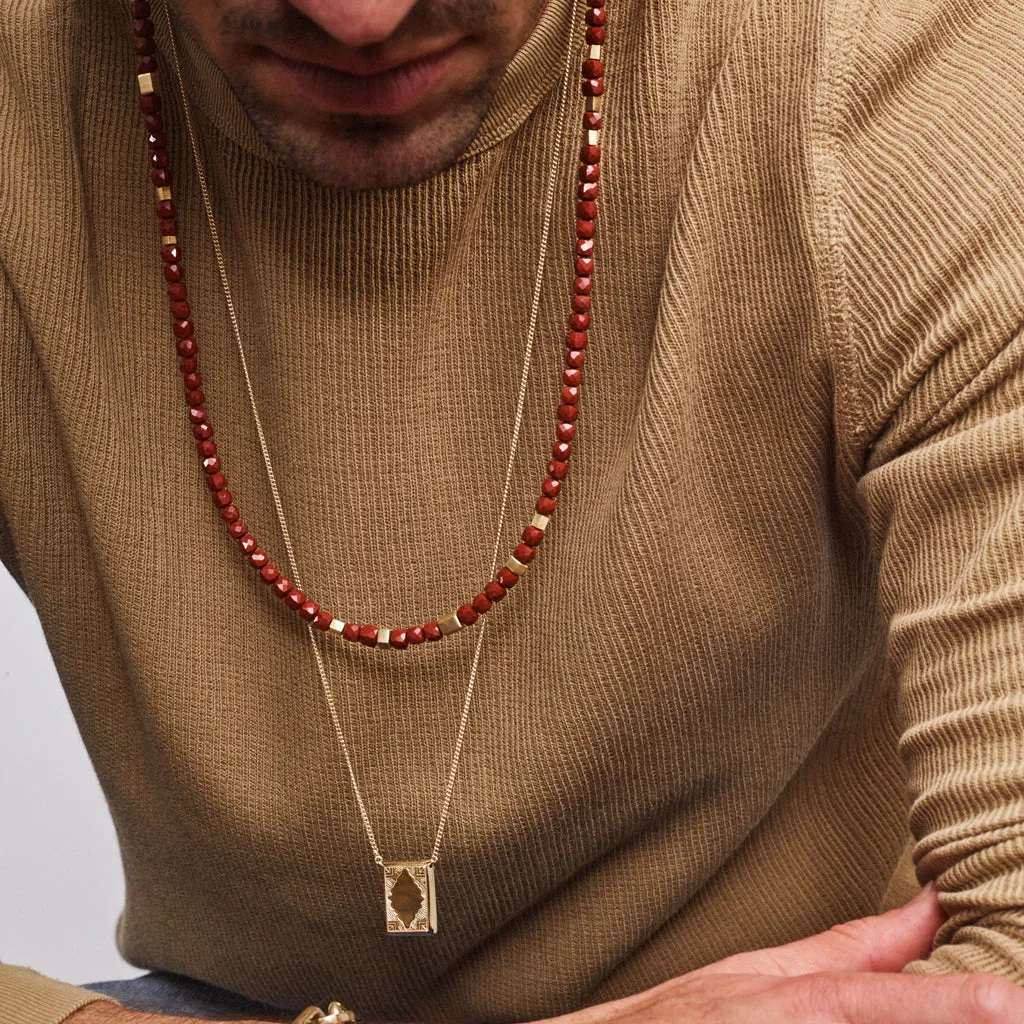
{"type": "Point", "coordinates": [594, 52]}
{"type": "Point", "coordinates": [449, 624]}
{"type": "Point", "coordinates": [383, 637]}
{"type": "Point", "coordinates": [163, 194]}
{"type": "Point", "coordinates": [540, 522]}
{"type": "Point", "coordinates": [168, 239]}
{"type": "Point", "coordinates": [148, 83]}
{"type": "Point", "coordinates": [337, 625]}
{"type": "Point", "coordinates": [593, 105]}
{"type": "Point", "coordinates": [514, 565]}
{"type": "Point", "coordinates": [593, 137]}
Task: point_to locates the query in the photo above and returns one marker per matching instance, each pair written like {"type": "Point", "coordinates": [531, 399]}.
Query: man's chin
{"type": "Point", "coordinates": [359, 154]}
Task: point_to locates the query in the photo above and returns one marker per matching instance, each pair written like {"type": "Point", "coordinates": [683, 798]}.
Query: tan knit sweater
{"type": "Point", "coordinates": [776, 627]}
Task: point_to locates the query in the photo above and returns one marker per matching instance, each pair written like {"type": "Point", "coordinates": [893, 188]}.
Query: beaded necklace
{"type": "Point", "coordinates": [409, 888]}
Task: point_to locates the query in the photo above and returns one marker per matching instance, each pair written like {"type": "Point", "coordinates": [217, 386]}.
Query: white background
{"type": "Point", "coordinates": [60, 872]}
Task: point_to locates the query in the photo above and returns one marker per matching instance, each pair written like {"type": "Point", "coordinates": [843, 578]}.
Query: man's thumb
{"type": "Point", "coordinates": [886, 942]}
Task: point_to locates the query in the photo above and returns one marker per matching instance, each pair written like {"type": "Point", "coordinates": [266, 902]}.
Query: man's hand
{"type": "Point", "coordinates": [847, 975]}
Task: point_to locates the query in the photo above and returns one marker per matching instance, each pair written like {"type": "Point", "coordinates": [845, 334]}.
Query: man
{"type": "Point", "coordinates": [774, 623]}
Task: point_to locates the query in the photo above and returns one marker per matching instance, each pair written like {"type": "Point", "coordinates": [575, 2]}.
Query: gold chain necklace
{"type": "Point", "coordinates": [410, 903]}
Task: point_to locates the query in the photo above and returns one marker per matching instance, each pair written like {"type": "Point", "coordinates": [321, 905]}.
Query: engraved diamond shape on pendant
{"type": "Point", "coordinates": [406, 898]}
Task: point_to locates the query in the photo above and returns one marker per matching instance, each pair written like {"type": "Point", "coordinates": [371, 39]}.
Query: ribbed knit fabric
{"type": "Point", "coordinates": [776, 627]}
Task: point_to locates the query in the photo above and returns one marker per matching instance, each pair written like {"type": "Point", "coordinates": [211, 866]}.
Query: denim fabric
{"type": "Point", "coordinates": [176, 995]}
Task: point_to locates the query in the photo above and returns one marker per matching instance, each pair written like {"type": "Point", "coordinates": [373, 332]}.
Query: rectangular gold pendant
{"type": "Point", "coordinates": [409, 904]}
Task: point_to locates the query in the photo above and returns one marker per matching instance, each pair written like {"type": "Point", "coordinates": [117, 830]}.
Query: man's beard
{"type": "Point", "coordinates": [360, 153]}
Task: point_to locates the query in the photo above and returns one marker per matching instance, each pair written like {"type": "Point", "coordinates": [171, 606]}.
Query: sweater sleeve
{"type": "Point", "coordinates": [25, 996]}
{"type": "Point", "coordinates": [924, 176]}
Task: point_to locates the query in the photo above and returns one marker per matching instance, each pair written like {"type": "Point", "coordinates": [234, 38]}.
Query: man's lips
{"type": "Point", "coordinates": [385, 92]}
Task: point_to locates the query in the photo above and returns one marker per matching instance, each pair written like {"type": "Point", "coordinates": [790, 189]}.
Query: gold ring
{"type": "Point", "coordinates": [336, 1014]}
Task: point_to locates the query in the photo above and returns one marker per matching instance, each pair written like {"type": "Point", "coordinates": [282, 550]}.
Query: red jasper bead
{"type": "Point", "coordinates": [590, 154]}
{"type": "Point", "coordinates": [350, 631]}
{"type": "Point", "coordinates": [570, 395]}
{"type": "Point", "coordinates": [399, 639]}
{"type": "Point", "coordinates": [595, 36]}
{"type": "Point", "coordinates": [467, 614]}
{"type": "Point", "coordinates": [192, 381]}
{"type": "Point", "coordinates": [546, 506]}
{"type": "Point", "coordinates": [494, 591]}
{"type": "Point", "coordinates": [414, 634]}
{"type": "Point", "coordinates": [259, 558]}
{"type": "Point", "coordinates": [180, 310]}
{"type": "Point", "coordinates": [160, 158]}
{"type": "Point", "coordinates": [169, 227]}
{"type": "Point", "coordinates": [507, 578]}
{"type": "Point", "coordinates": [368, 635]}
{"type": "Point", "coordinates": [187, 347]}
{"type": "Point", "coordinates": [157, 140]}
{"type": "Point", "coordinates": [170, 253]}
{"type": "Point", "coordinates": [187, 365]}
{"type": "Point", "coordinates": [588, 190]}
{"type": "Point", "coordinates": [165, 208]}
{"type": "Point", "coordinates": [579, 322]}
{"type": "Point", "coordinates": [206, 448]}
{"type": "Point", "coordinates": [551, 487]}
{"type": "Point", "coordinates": [593, 87]}
{"type": "Point", "coordinates": [248, 544]}
{"type": "Point", "coordinates": [576, 339]}
{"type": "Point", "coordinates": [586, 209]}
{"type": "Point", "coordinates": [150, 104]}
{"type": "Point", "coordinates": [481, 604]}
{"type": "Point", "coordinates": [596, 3]}
{"type": "Point", "coordinates": [140, 9]}
{"type": "Point", "coordinates": [593, 69]}
{"type": "Point", "coordinates": [197, 415]}
{"type": "Point", "coordinates": [584, 247]}
{"type": "Point", "coordinates": [323, 620]}
{"type": "Point", "coordinates": [561, 451]}
{"type": "Point", "coordinates": [183, 328]}
{"type": "Point", "coordinates": [295, 599]}
{"type": "Point", "coordinates": [566, 431]}
{"type": "Point", "coordinates": [309, 610]}
{"type": "Point", "coordinates": [269, 572]}
{"type": "Point", "coordinates": [230, 514]}
{"type": "Point", "coordinates": [283, 586]}
{"type": "Point", "coordinates": [597, 17]}
{"type": "Point", "coordinates": [194, 397]}
{"type": "Point", "coordinates": [571, 378]}
{"type": "Point", "coordinates": [161, 177]}
{"type": "Point", "coordinates": [590, 173]}
{"type": "Point", "coordinates": [173, 273]}
{"type": "Point", "coordinates": [574, 358]}
{"type": "Point", "coordinates": [212, 464]}
{"type": "Point", "coordinates": [216, 481]}
{"type": "Point", "coordinates": [238, 529]}
{"type": "Point", "coordinates": [524, 553]}
{"type": "Point", "coordinates": [580, 304]}
{"type": "Point", "coordinates": [176, 289]}
{"type": "Point", "coordinates": [153, 122]}
{"type": "Point", "coordinates": [568, 413]}
{"type": "Point", "coordinates": [532, 536]}
{"type": "Point", "coordinates": [585, 266]}
{"type": "Point", "coordinates": [432, 631]}
{"type": "Point", "coordinates": [592, 120]}
{"type": "Point", "coordinates": [584, 229]}
{"type": "Point", "coordinates": [144, 46]}
{"type": "Point", "coordinates": [582, 285]}
{"type": "Point", "coordinates": [142, 27]}
{"type": "Point", "coordinates": [558, 469]}
{"type": "Point", "coordinates": [222, 498]}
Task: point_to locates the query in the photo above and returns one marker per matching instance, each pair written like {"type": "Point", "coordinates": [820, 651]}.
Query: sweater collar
{"type": "Point", "coordinates": [532, 72]}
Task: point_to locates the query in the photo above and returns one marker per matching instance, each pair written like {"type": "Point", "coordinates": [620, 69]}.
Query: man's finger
{"type": "Point", "coordinates": [886, 942]}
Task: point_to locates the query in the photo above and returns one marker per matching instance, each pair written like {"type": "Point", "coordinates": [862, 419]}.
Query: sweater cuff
{"type": "Point", "coordinates": [27, 997]}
